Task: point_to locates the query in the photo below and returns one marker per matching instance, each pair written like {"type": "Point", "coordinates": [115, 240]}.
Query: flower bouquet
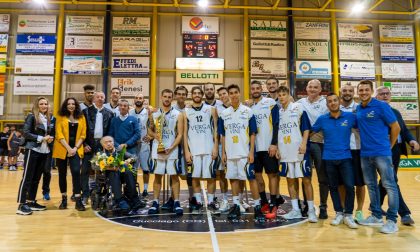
{"type": "Point", "coordinates": [112, 162]}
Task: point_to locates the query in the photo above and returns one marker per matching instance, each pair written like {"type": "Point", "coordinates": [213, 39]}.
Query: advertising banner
{"type": "Point", "coordinates": [131, 26]}
{"type": "Point", "coordinates": [396, 33]}
{"type": "Point", "coordinates": [200, 63]}
{"type": "Point", "coordinates": [2, 81]}
{"type": "Point", "coordinates": [85, 25]}
{"type": "Point", "coordinates": [355, 32]}
{"type": "Point", "coordinates": [265, 68]}
{"type": "Point", "coordinates": [402, 90]}
{"type": "Point", "coordinates": [26, 43]}
{"type": "Point", "coordinates": [4, 22]}
{"type": "Point", "coordinates": [275, 49]}
{"type": "Point", "coordinates": [357, 70]}
{"type": "Point", "coordinates": [4, 41]}
{"type": "Point", "coordinates": [199, 76]}
{"type": "Point", "coordinates": [312, 30]}
{"type": "Point", "coordinates": [399, 71]}
{"type": "Point", "coordinates": [273, 29]}
{"type": "Point", "coordinates": [33, 85]}
{"type": "Point", "coordinates": [83, 44]}
{"type": "Point", "coordinates": [200, 25]}
{"type": "Point", "coordinates": [408, 110]}
{"type": "Point", "coordinates": [313, 69]}
{"type": "Point", "coordinates": [130, 66]}
{"type": "Point", "coordinates": [34, 64]}
{"type": "Point", "coordinates": [37, 24]}
{"type": "Point", "coordinates": [312, 49]}
{"type": "Point", "coordinates": [356, 51]}
{"type": "Point", "coordinates": [131, 46]}
{"type": "Point", "coordinates": [1, 105]}
{"type": "Point", "coordinates": [3, 63]}
{"type": "Point", "coordinates": [398, 52]}
{"type": "Point", "coordinates": [131, 86]}
{"type": "Point", "coordinates": [83, 65]}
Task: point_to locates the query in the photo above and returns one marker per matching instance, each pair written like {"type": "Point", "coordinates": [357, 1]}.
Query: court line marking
{"type": "Point", "coordinates": [417, 178]}
{"type": "Point", "coordinates": [210, 221]}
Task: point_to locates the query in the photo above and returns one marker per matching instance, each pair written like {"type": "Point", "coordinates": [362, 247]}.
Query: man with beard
{"type": "Point", "coordinates": [337, 127]}
{"type": "Point", "coordinates": [209, 92]}
{"type": "Point", "coordinates": [143, 145]}
{"type": "Point", "coordinates": [171, 122]}
{"type": "Point", "coordinates": [201, 148]}
{"type": "Point", "coordinates": [115, 98]}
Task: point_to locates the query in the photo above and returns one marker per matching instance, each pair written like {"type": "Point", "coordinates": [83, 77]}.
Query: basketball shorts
{"type": "Point", "coordinates": [169, 166]}
{"type": "Point", "coordinates": [143, 159]}
{"type": "Point", "coordinates": [264, 161]}
{"type": "Point", "coordinates": [240, 169]}
{"type": "Point", "coordinates": [203, 166]}
{"type": "Point", "coordinates": [298, 169]}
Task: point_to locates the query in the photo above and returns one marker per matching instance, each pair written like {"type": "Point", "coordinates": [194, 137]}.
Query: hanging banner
{"type": "Point", "coordinates": [357, 70]}
{"type": "Point", "coordinates": [354, 85]}
{"type": "Point", "coordinates": [34, 43]}
{"type": "Point", "coordinates": [274, 29]}
{"type": "Point", "coordinates": [313, 69]}
{"type": "Point", "coordinates": [312, 30]}
{"type": "Point", "coordinates": [199, 45]}
{"type": "Point", "coordinates": [2, 81]}
{"type": "Point", "coordinates": [399, 71]}
{"type": "Point", "coordinates": [33, 85]}
{"type": "Point", "coordinates": [3, 63]}
{"type": "Point", "coordinates": [83, 44]}
{"type": "Point", "coordinates": [199, 76]}
{"type": "Point", "coordinates": [131, 46]}
{"type": "Point", "coordinates": [265, 68]}
{"type": "Point", "coordinates": [275, 49]}
{"type": "Point", "coordinates": [85, 25]}
{"type": "Point", "coordinates": [83, 65]}
{"type": "Point", "coordinates": [130, 66]}
{"type": "Point", "coordinates": [4, 22]}
{"type": "Point", "coordinates": [408, 110]}
{"type": "Point", "coordinates": [397, 52]}
{"type": "Point", "coordinates": [1, 105]}
{"type": "Point", "coordinates": [355, 51]}
{"type": "Point", "coordinates": [4, 41]}
{"type": "Point", "coordinates": [312, 50]}
{"type": "Point", "coordinates": [131, 26]}
{"type": "Point", "coordinates": [131, 86]}
{"type": "Point", "coordinates": [396, 33]}
{"type": "Point", "coordinates": [355, 32]}
{"type": "Point", "coordinates": [34, 64]}
{"type": "Point", "coordinates": [200, 25]}
{"type": "Point", "coordinates": [402, 90]}
{"type": "Point", "coordinates": [37, 24]}
{"type": "Point", "coordinates": [200, 63]}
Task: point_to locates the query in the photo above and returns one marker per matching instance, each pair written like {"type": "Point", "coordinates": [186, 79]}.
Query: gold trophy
{"type": "Point", "coordinates": [159, 123]}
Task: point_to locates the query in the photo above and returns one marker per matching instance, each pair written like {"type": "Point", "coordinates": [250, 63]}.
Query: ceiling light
{"type": "Point", "coordinates": [357, 8]}
{"type": "Point", "coordinates": [203, 3]}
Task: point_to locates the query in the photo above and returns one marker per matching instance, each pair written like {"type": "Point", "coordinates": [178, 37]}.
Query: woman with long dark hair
{"type": "Point", "coordinates": [68, 148]}
{"type": "Point", "coordinates": [38, 132]}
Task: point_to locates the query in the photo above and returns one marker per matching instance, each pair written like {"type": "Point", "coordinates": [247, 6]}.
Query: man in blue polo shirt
{"type": "Point", "coordinates": [336, 127]}
{"type": "Point", "coordinates": [379, 131]}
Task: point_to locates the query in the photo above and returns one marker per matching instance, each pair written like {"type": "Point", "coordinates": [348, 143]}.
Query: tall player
{"type": "Point", "coordinates": [171, 122]}
{"type": "Point", "coordinates": [266, 113]}
{"type": "Point", "coordinates": [238, 127]}
{"type": "Point", "coordinates": [201, 147]}
{"type": "Point", "coordinates": [209, 92]}
{"type": "Point", "coordinates": [293, 146]}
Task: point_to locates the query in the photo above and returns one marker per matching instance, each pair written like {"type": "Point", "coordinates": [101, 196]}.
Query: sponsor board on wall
{"type": "Point", "coordinates": [130, 66]}
{"type": "Point", "coordinates": [1, 105]}
{"type": "Point", "coordinates": [409, 110]}
{"type": "Point", "coordinates": [263, 68]}
{"type": "Point", "coordinates": [356, 51]}
{"type": "Point", "coordinates": [37, 24]}
{"type": "Point", "coordinates": [3, 63]}
{"type": "Point", "coordinates": [199, 76]}
{"type": "Point", "coordinates": [398, 52]}
{"type": "Point", "coordinates": [355, 32]}
{"type": "Point", "coordinates": [274, 29]}
{"type": "Point", "coordinates": [131, 46]}
{"type": "Point", "coordinates": [33, 43]}
{"type": "Point", "coordinates": [34, 64]}
{"type": "Point", "coordinates": [200, 25]}
{"type": "Point", "coordinates": [402, 90]}
{"type": "Point", "coordinates": [200, 63]}
{"type": "Point", "coordinates": [357, 70]}
{"type": "Point", "coordinates": [83, 44]}
{"type": "Point", "coordinates": [399, 71]}
{"type": "Point", "coordinates": [312, 49]}
{"type": "Point", "coordinates": [83, 65]}
{"type": "Point", "coordinates": [354, 85]}
{"type": "Point", "coordinates": [396, 33]}
{"type": "Point", "coordinates": [300, 88]}
{"type": "Point", "coordinates": [4, 22]}
{"type": "Point", "coordinates": [33, 85]}
{"type": "Point", "coordinates": [2, 81]}
{"type": "Point", "coordinates": [131, 26]}
{"type": "Point", "coordinates": [275, 49]}
{"type": "Point", "coordinates": [131, 86]}
{"type": "Point", "coordinates": [313, 69]}
{"type": "Point", "coordinates": [312, 30]}
{"type": "Point", "coordinates": [4, 41]}
{"type": "Point", "coordinates": [85, 25]}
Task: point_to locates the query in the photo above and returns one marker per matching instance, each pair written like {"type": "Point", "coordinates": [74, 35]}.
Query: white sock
{"type": "Point", "coordinates": [236, 200]}
{"type": "Point", "coordinates": [240, 197]}
{"type": "Point", "coordinates": [295, 204]}
{"type": "Point", "coordinates": [145, 186]}
{"type": "Point", "coordinates": [198, 197]}
{"type": "Point", "coordinates": [311, 205]}
{"type": "Point", "coordinates": [257, 202]}
{"type": "Point", "coordinates": [224, 196]}
{"type": "Point", "coordinates": [211, 197]}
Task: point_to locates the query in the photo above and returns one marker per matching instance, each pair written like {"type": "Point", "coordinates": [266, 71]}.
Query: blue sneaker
{"type": "Point", "coordinates": [154, 209]}
{"type": "Point", "coordinates": [169, 205]}
{"type": "Point", "coordinates": [177, 208]}
{"type": "Point", "coordinates": [47, 196]}
{"type": "Point", "coordinates": [123, 205]}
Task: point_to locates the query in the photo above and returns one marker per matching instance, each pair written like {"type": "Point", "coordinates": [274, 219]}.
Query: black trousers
{"type": "Point", "coordinates": [34, 163]}
{"type": "Point", "coordinates": [46, 175]}
{"type": "Point", "coordinates": [87, 167]}
{"type": "Point", "coordinates": [116, 179]}
{"type": "Point", "coordinates": [74, 163]}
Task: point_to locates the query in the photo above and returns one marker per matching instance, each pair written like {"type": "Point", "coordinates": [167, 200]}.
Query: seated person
{"type": "Point", "coordinates": [115, 178]}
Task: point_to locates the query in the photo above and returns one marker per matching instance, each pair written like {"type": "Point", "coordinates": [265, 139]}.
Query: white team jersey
{"type": "Point", "coordinates": [236, 126]}
{"type": "Point", "coordinates": [169, 133]}
{"type": "Point", "coordinates": [290, 136]}
{"type": "Point", "coordinates": [200, 130]}
{"type": "Point", "coordinates": [355, 135]}
{"type": "Point", "coordinates": [215, 103]}
{"type": "Point", "coordinates": [115, 110]}
{"type": "Point", "coordinates": [262, 113]}
{"type": "Point", "coordinates": [220, 108]}
{"type": "Point", "coordinates": [175, 106]}
{"type": "Point", "coordinates": [142, 119]}
{"type": "Point", "coordinates": [315, 110]}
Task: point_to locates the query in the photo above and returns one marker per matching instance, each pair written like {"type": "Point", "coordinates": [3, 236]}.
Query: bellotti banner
{"type": "Point", "coordinates": [4, 41]}
{"type": "Point", "coordinates": [357, 70]}
{"type": "Point", "coordinates": [268, 29]}
{"type": "Point", "coordinates": [199, 76]}
{"type": "Point", "coordinates": [200, 25]}
{"type": "Point", "coordinates": [355, 51]}
{"type": "Point", "coordinates": [408, 109]}
{"type": "Point", "coordinates": [131, 26]}
{"type": "Point", "coordinates": [131, 46]}
{"type": "Point", "coordinates": [397, 52]}
{"type": "Point", "coordinates": [4, 22]}
{"type": "Point", "coordinates": [34, 43]}
{"type": "Point", "coordinates": [263, 68]}
{"type": "Point", "coordinates": [83, 44]}
{"type": "Point", "coordinates": [402, 90]}
{"type": "Point", "coordinates": [82, 65]}
{"type": "Point", "coordinates": [93, 25]}
{"type": "Point", "coordinates": [275, 49]}
{"type": "Point", "coordinates": [401, 71]}
{"type": "Point", "coordinates": [313, 69]}
{"type": "Point", "coordinates": [33, 85]}
{"type": "Point", "coordinates": [312, 30]}
{"type": "Point", "coordinates": [396, 33]}
{"type": "Point", "coordinates": [131, 86]}
{"type": "Point", "coordinates": [34, 64]}
{"type": "Point", "coordinates": [37, 24]}
{"type": "Point", "coordinates": [130, 66]}
{"type": "Point", "coordinates": [312, 50]}
{"type": "Point", "coordinates": [355, 32]}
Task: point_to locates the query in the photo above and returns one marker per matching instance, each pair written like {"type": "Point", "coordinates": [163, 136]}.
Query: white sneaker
{"type": "Point", "coordinates": [349, 221]}
{"type": "Point", "coordinates": [312, 216]}
{"type": "Point", "coordinates": [294, 214]}
{"type": "Point", "coordinates": [245, 205]}
{"type": "Point", "coordinates": [338, 219]}
{"type": "Point", "coordinates": [242, 208]}
{"type": "Point", "coordinates": [372, 221]}
{"type": "Point", "coordinates": [390, 227]}
{"type": "Point", "coordinates": [224, 206]}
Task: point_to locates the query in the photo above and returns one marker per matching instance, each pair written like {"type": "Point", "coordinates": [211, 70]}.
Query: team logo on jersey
{"type": "Point", "coordinates": [345, 123]}
{"type": "Point", "coordinates": [371, 114]}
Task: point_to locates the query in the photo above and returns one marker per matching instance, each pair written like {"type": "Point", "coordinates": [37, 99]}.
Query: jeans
{"type": "Point", "coordinates": [382, 164]}
{"type": "Point", "coordinates": [343, 169]}
{"type": "Point", "coordinates": [74, 162]}
{"type": "Point", "coordinates": [316, 157]}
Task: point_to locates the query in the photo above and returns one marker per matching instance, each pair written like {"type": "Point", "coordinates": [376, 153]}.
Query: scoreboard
{"type": "Point", "coordinates": [200, 45]}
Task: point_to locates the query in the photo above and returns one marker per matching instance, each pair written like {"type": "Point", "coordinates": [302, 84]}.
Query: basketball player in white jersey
{"type": "Point", "coordinates": [293, 153]}
{"type": "Point", "coordinates": [143, 146]}
{"type": "Point", "coordinates": [113, 103]}
{"type": "Point", "coordinates": [238, 127]}
{"type": "Point", "coordinates": [168, 162]}
{"type": "Point", "coordinates": [209, 92]}
{"type": "Point", "coordinates": [266, 113]}
{"type": "Point", "coordinates": [201, 147]}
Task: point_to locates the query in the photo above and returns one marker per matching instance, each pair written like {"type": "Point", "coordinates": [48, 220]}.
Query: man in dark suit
{"type": "Point", "coordinates": [400, 148]}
